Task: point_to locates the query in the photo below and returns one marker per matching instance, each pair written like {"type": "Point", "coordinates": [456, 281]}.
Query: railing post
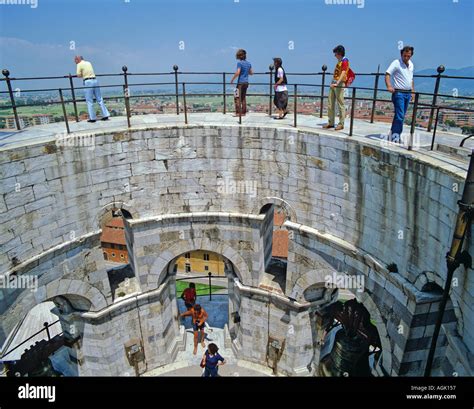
{"type": "Point", "coordinates": [270, 102]}
{"type": "Point", "coordinates": [73, 95]}
{"type": "Point", "coordinates": [353, 102]}
{"type": "Point", "coordinates": [126, 93]}
{"type": "Point", "coordinates": [413, 122]}
{"type": "Point", "coordinates": [223, 93]}
{"type": "Point", "coordinates": [374, 102]}
{"type": "Point", "coordinates": [435, 128]}
{"type": "Point", "coordinates": [6, 73]}
{"type": "Point", "coordinates": [175, 68]}
{"type": "Point", "coordinates": [185, 107]}
{"type": "Point", "coordinates": [440, 70]}
{"type": "Point", "coordinates": [324, 68]}
{"type": "Point", "coordinates": [64, 110]}
{"type": "Point", "coordinates": [46, 326]}
{"type": "Point", "coordinates": [295, 105]}
{"type": "Point", "coordinates": [210, 283]}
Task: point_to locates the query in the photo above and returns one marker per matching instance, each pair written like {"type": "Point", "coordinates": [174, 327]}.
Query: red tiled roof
{"type": "Point", "coordinates": [115, 222]}
{"type": "Point", "coordinates": [280, 244]}
{"type": "Point", "coordinates": [113, 236]}
{"type": "Point", "coordinates": [113, 232]}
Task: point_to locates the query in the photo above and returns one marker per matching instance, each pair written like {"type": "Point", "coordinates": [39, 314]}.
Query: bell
{"type": "Point", "coordinates": [349, 357]}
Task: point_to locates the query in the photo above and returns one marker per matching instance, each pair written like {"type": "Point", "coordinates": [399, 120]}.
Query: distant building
{"type": "Point", "coordinates": [35, 119]}
{"type": "Point", "coordinates": [458, 117]}
{"type": "Point", "coordinates": [201, 262]}
{"type": "Point", "coordinates": [169, 109]}
{"type": "Point", "coordinates": [41, 119]}
{"type": "Point", "coordinates": [113, 241]}
{"type": "Point", "coordinates": [10, 122]}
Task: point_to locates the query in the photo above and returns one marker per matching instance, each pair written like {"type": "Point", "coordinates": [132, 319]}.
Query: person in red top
{"type": "Point", "coordinates": [189, 296]}
{"type": "Point", "coordinates": [199, 316]}
{"type": "Point", "coordinates": [336, 91]}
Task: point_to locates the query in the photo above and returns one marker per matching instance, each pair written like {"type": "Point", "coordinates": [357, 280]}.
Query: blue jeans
{"type": "Point", "coordinates": [91, 93]}
{"type": "Point", "coordinates": [401, 101]}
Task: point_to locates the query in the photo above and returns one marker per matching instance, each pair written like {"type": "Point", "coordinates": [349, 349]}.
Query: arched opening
{"type": "Point", "coordinates": [201, 279]}
{"type": "Point", "coordinates": [45, 341]}
{"type": "Point", "coordinates": [275, 245]}
{"type": "Point", "coordinates": [218, 296]}
{"type": "Point", "coordinates": [116, 250]}
{"type": "Point", "coordinates": [340, 290]}
{"type": "Point", "coordinates": [351, 345]}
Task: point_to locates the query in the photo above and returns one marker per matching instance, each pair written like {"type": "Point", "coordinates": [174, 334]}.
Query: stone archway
{"type": "Point", "coordinates": [290, 212]}
{"type": "Point", "coordinates": [57, 288]}
{"type": "Point", "coordinates": [100, 215]}
{"type": "Point", "coordinates": [160, 264]}
{"type": "Point", "coordinates": [70, 297]}
{"type": "Point", "coordinates": [315, 279]}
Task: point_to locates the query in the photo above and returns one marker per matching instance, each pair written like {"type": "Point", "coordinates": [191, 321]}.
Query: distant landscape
{"type": "Point", "coordinates": [37, 108]}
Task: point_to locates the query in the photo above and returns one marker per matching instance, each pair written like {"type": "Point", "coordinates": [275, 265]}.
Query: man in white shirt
{"type": "Point", "coordinates": [92, 90]}
{"type": "Point", "coordinates": [400, 72]}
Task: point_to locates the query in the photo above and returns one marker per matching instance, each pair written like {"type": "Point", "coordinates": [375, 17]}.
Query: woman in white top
{"type": "Point", "coordinates": [281, 91]}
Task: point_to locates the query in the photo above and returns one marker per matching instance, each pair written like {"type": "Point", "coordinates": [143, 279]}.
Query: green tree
{"type": "Point", "coordinates": [467, 130]}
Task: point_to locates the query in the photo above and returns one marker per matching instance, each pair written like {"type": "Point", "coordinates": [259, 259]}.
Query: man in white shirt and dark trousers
{"type": "Point", "coordinates": [281, 91]}
{"type": "Point", "coordinates": [400, 72]}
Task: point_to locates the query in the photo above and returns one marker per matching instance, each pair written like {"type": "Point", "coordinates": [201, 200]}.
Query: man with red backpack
{"type": "Point", "coordinates": [189, 296]}
{"type": "Point", "coordinates": [343, 77]}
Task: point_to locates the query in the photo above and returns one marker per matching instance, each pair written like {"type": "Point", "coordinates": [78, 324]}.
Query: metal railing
{"type": "Point", "coordinates": [321, 96]}
{"type": "Point", "coordinates": [48, 334]}
{"type": "Point", "coordinates": [205, 292]}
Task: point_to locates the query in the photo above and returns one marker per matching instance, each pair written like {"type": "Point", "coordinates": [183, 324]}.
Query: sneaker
{"type": "Point", "coordinates": [105, 118]}
{"type": "Point", "coordinates": [91, 120]}
{"type": "Point", "coordinates": [339, 127]}
{"type": "Point", "coordinates": [328, 126]}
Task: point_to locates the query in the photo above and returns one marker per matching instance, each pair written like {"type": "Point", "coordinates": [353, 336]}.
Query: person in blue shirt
{"type": "Point", "coordinates": [244, 69]}
{"type": "Point", "coordinates": [211, 361]}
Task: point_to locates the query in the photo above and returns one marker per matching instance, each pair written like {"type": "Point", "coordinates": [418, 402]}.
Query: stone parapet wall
{"type": "Point", "coordinates": [353, 206]}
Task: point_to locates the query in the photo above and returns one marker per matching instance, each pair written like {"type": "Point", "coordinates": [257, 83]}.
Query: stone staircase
{"type": "Point", "coordinates": [187, 364]}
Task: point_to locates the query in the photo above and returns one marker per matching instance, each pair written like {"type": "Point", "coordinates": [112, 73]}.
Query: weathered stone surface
{"type": "Point", "coordinates": [358, 207]}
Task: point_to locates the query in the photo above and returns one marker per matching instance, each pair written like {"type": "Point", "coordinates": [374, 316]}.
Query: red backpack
{"type": "Point", "coordinates": [350, 75]}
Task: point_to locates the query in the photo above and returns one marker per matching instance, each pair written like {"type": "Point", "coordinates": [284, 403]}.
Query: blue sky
{"type": "Point", "coordinates": [146, 34]}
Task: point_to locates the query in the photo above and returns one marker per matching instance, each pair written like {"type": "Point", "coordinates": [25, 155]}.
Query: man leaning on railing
{"type": "Point", "coordinates": [86, 72]}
